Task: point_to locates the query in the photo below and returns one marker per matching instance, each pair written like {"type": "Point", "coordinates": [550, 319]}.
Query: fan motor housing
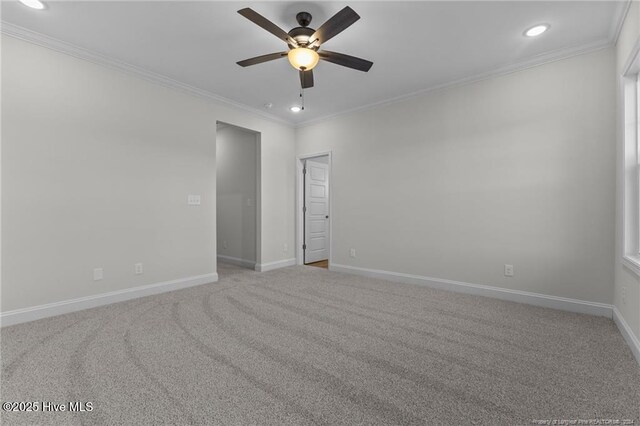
{"type": "Point", "coordinates": [301, 35]}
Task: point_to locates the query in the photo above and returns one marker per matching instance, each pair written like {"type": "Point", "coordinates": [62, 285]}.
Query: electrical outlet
{"type": "Point", "coordinates": [193, 200]}
{"type": "Point", "coordinates": [98, 274]}
{"type": "Point", "coordinates": [138, 268]}
{"type": "Point", "coordinates": [352, 252]}
{"type": "Point", "coordinates": [624, 295]}
{"type": "Point", "coordinates": [508, 270]}
{"type": "Point", "coordinates": [224, 244]}
{"type": "Point", "coordinates": [285, 247]}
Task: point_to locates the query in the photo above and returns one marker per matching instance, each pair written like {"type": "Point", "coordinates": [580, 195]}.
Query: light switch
{"type": "Point", "coordinates": [193, 200]}
{"type": "Point", "coordinates": [508, 270]}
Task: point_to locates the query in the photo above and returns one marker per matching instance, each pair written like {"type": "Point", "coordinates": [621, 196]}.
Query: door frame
{"type": "Point", "coordinates": [257, 201]}
{"type": "Point", "coordinates": [300, 202]}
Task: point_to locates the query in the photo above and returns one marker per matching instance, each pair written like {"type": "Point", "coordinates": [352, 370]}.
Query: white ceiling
{"type": "Point", "coordinates": [415, 46]}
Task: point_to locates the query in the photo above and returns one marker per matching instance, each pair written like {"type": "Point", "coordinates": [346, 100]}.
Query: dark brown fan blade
{"type": "Point", "coordinates": [263, 22]}
{"type": "Point", "coordinates": [345, 60]}
{"type": "Point", "coordinates": [306, 79]}
{"type": "Point", "coordinates": [335, 25]}
{"type": "Point", "coordinates": [261, 59]}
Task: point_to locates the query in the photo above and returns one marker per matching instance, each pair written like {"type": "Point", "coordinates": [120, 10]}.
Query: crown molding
{"type": "Point", "coordinates": [618, 21]}
{"type": "Point", "coordinates": [546, 58]}
{"type": "Point", "coordinates": [39, 39]}
{"type": "Point", "coordinates": [85, 54]}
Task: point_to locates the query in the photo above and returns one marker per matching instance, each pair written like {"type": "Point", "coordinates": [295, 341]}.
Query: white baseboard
{"type": "Point", "coordinates": [264, 267]}
{"type": "Point", "coordinates": [66, 306]}
{"type": "Point", "coordinates": [627, 333]}
{"type": "Point", "coordinates": [554, 302]}
{"type": "Point", "coordinates": [237, 261]}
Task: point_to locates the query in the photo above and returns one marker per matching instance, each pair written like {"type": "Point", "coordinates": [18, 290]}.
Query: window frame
{"type": "Point", "coordinates": [630, 94]}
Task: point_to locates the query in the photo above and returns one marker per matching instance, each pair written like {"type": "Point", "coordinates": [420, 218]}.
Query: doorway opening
{"type": "Point", "coordinates": [237, 196]}
{"type": "Point", "coordinates": [314, 210]}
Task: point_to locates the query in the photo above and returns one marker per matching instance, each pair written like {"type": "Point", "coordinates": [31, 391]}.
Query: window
{"type": "Point", "coordinates": [631, 179]}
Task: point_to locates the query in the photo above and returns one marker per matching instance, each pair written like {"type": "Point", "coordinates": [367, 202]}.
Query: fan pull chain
{"type": "Point", "coordinates": [302, 99]}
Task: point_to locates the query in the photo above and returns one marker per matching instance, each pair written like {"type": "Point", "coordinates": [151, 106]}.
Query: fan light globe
{"type": "Point", "coordinates": [303, 59]}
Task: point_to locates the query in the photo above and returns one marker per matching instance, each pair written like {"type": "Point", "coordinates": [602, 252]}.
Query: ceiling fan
{"type": "Point", "coordinates": [304, 43]}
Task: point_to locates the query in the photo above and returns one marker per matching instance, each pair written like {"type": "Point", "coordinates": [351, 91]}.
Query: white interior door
{"type": "Point", "coordinates": [316, 211]}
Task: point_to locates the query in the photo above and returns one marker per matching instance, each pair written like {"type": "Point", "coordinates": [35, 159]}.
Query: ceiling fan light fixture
{"type": "Point", "coordinates": [303, 59]}
{"type": "Point", "coordinates": [304, 43]}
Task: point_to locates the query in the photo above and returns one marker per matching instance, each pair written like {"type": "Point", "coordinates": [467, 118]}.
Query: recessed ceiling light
{"type": "Point", "coordinates": [295, 108]}
{"type": "Point", "coordinates": [33, 4]}
{"type": "Point", "coordinates": [537, 30]}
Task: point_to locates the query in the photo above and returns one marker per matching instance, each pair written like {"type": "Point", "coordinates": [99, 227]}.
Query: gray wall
{"type": "Point", "coordinates": [97, 164]}
{"type": "Point", "coordinates": [236, 151]}
{"type": "Point", "coordinates": [96, 169]}
{"type": "Point", "coordinates": [454, 184]}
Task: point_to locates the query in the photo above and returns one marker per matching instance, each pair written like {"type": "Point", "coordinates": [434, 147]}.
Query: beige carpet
{"type": "Point", "coordinates": [304, 345]}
